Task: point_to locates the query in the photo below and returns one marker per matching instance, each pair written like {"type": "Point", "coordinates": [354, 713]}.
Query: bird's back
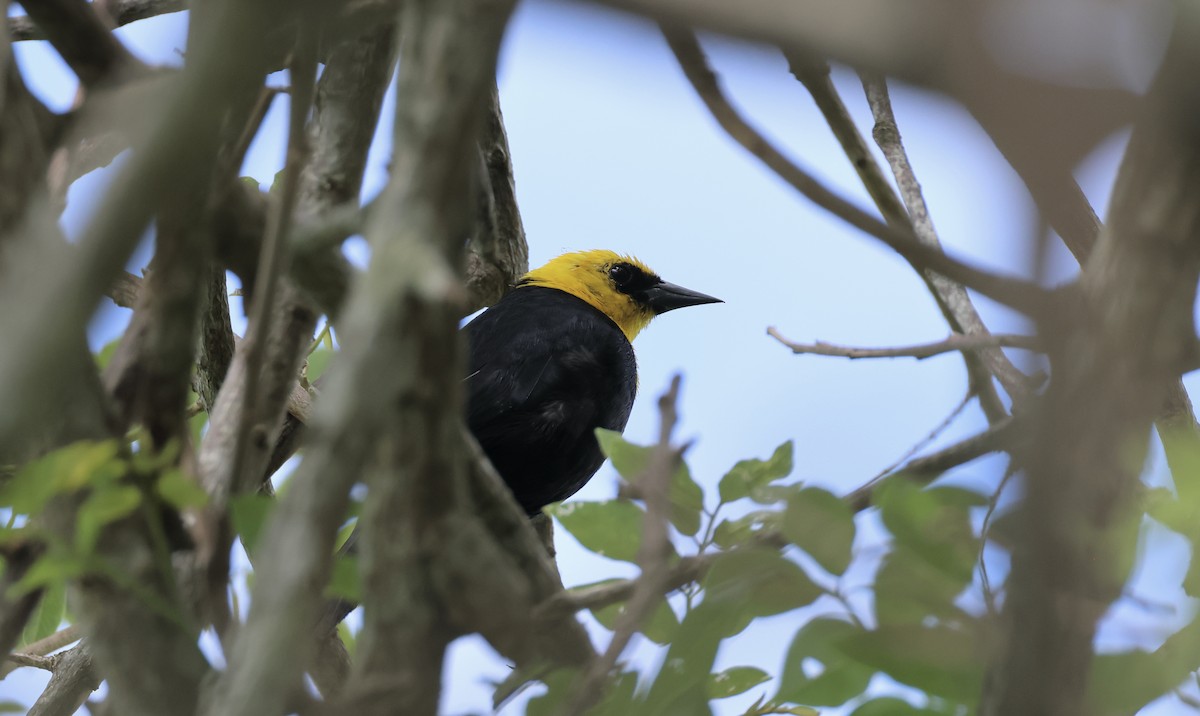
{"type": "Point", "coordinates": [545, 370]}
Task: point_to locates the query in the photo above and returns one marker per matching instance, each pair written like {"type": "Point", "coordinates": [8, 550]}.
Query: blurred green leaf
{"type": "Point", "coordinates": [734, 681]}
{"type": "Point", "coordinates": [318, 361]}
{"type": "Point", "coordinates": [660, 628]}
{"type": "Point", "coordinates": [757, 583]}
{"type": "Point", "coordinates": [47, 615]}
{"type": "Point", "coordinates": [64, 470]}
{"type": "Point", "coordinates": [908, 589]}
{"type": "Point", "coordinates": [841, 678]}
{"type": "Point", "coordinates": [891, 706]}
{"type": "Point", "coordinates": [629, 460]}
{"type": "Point", "coordinates": [612, 528]}
{"type": "Point", "coordinates": [558, 692]}
{"type": "Point", "coordinates": [179, 491]}
{"type": "Point", "coordinates": [50, 569]}
{"type": "Point", "coordinates": [104, 356]}
{"type": "Point", "coordinates": [345, 582]}
{"type": "Point", "coordinates": [104, 506]}
{"type": "Point", "coordinates": [12, 707]}
{"type": "Point", "coordinates": [680, 686]}
{"type": "Point", "coordinates": [747, 475]}
{"type": "Point", "coordinates": [938, 660]}
{"type": "Point", "coordinates": [249, 514]}
{"type": "Point", "coordinates": [821, 524]}
{"type": "Point", "coordinates": [1124, 683]}
{"type": "Point", "coordinates": [936, 524]}
{"type": "Point", "coordinates": [741, 530]}
{"type": "Point", "coordinates": [148, 462]}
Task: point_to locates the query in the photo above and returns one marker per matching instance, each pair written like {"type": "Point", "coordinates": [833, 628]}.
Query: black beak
{"type": "Point", "coordinates": [663, 297]}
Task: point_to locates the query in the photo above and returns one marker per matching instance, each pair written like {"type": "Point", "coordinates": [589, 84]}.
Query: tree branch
{"type": "Point", "coordinates": [887, 136]}
{"type": "Point", "coordinates": [21, 28]}
{"type": "Point", "coordinates": [653, 553]}
{"type": "Point", "coordinates": [952, 299]}
{"type": "Point", "coordinates": [1022, 295]}
{"type": "Point", "coordinates": [74, 679]}
{"type": "Point", "coordinates": [954, 343]}
{"type": "Point", "coordinates": [84, 41]}
{"type": "Point", "coordinates": [1114, 358]}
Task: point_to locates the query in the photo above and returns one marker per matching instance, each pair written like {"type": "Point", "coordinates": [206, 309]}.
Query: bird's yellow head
{"type": "Point", "coordinates": [620, 287]}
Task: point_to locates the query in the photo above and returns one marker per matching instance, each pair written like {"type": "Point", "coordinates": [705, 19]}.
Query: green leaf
{"type": "Point", "coordinates": [908, 589]}
{"type": "Point", "coordinates": [1124, 683]}
{"type": "Point", "coordinates": [660, 628]}
{"type": "Point", "coordinates": [179, 491]}
{"type": "Point", "coordinates": [730, 533]}
{"type": "Point", "coordinates": [612, 528]}
{"type": "Point", "coordinates": [249, 513]}
{"type": "Point", "coordinates": [65, 470]}
{"type": "Point", "coordinates": [748, 475]}
{"type": "Point", "coordinates": [348, 638]}
{"type": "Point", "coordinates": [629, 460]}
{"type": "Point", "coordinates": [681, 684]}
{"type": "Point", "coordinates": [345, 582]}
{"type": "Point", "coordinates": [933, 523]}
{"type": "Point", "coordinates": [734, 681]}
{"type": "Point", "coordinates": [47, 616]}
{"type": "Point", "coordinates": [938, 660]}
{"type": "Point", "coordinates": [50, 569]}
{"type": "Point", "coordinates": [841, 678]}
{"type": "Point", "coordinates": [12, 707]}
{"type": "Point", "coordinates": [891, 706]}
{"type": "Point", "coordinates": [105, 355]}
{"type": "Point", "coordinates": [822, 525]}
{"type": "Point", "coordinates": [149, 462]}
{"type": "Point", "coordinates": [558, 692]}
{"type": "Point", "coordinates": [318, 362]}
{"type": "Point", "coordinates": [758, 583]}
{"type": "Point", "coordinates": [103, 507]}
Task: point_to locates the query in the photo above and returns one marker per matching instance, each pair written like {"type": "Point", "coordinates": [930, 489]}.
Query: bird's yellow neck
{"type": "Point", "coordinates": [584, 274]}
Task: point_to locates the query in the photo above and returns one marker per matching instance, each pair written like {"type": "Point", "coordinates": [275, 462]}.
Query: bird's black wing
{"type": "Point", "coordinates": [545, 370]}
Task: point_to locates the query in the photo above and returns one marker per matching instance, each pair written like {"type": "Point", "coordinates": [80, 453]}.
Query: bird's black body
{"type": "Point", "coordinates": [545, 370]}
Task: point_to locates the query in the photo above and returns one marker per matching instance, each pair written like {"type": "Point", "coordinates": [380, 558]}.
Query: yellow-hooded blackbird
{"type": "Point", "coordinates": [552, 361]}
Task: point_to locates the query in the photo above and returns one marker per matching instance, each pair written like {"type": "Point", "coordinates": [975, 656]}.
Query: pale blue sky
{"type": "Point", "coordinates": [612, 149]}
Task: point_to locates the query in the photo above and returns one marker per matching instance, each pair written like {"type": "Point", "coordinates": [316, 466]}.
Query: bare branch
{"type": "Point", "coordinates": [887, 136]}
{"type": "Point", "coordinates": [1022, 295]}
{"type": "Point", "coordinates": [951, 298]}
{"type": "Point", "coordinates": [42, 647]}
{"type": "Point", "coordinates": [653, 553]}
{"type": "Point", "coordinates": [22, 28]}
{"type": "Point", "coordinates": [954, 343]}
{"type": "Point", "coordinates": [925, 469]}
{"type": "Point", "coordinates": [1114, 359]}
{"type": "Point", "coordinates": [73, 681]}
{"type": "Point", "coordinates": [84, 40]}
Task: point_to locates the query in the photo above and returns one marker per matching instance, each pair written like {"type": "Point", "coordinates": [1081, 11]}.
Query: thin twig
{"type": "Point", "coordinates": [952, 298]}
{"type": "Point", "coordinates": [1025, 296]}
{"type": "Point", "coordinates": [652, 554]}
{"type": "Point", "coordinates": [46, 663]}
{"type": "Point", "coordinates": [989, 597]}
{"type": "Point", "coordinates": [42, 647]}
{"type": "Point", "coordinates": [929, 437]}
{"type": "Point", "coordinates": [887, 137]}
{"type": "Point", "coordinates": [267, 279]}
{"type": "Point", "coordinates": [927, 468]}
{"type": "Point", "coordinates": [955, 342]}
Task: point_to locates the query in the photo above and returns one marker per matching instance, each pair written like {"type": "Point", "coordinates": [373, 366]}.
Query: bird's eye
{"type": "Point", "coordinates": [621, 273]}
